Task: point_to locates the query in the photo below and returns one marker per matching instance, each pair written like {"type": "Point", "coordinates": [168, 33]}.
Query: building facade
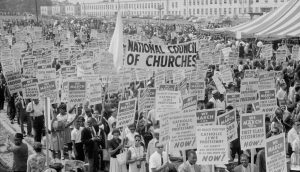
{"type": "Point", "coordinates": [198, 8]}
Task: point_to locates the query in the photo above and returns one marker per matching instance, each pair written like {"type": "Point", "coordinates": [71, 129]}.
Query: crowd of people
{"type": "Point", "coordinates": [88, 133]}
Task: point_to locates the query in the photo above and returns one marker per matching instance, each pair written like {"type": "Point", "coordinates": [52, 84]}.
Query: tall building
{"type": "Point", "coordinates": [199, 8]}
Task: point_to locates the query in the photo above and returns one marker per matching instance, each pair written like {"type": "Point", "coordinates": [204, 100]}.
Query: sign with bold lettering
{"type": "Point", "coordinates": [206, 117]}
{"type": "Point", "coordinates": [13, 80]}
{"type": "Point", "coordinates": [276, 154]}
{"type": "Point", "coordinates": [252, 131]}
{"type": "Point", "coordinates": [147, 55]}
{"type": "Point", "coordinates": [30, 88]}
{"type": "Point", "coordinates": [212, 145]}
{"type": "Point", "coordinates": [248, 90]}
{"type": "Point", "coordinates": [189, 103]}
{"type": "Point", "coordinates": [126, 112]}
{"type": "Point", "coordinates": [183, 129]}
{"type": "Point", "coordinates": [77, 91]}
{"type": "Point", "coordinates": [267, 100]}
{"type": "Point", "coordinates": [229, 119]}
{"type": "Point", "coordinates": [198, 88]}
{"type": "Point", "coordinates": [95, 90]}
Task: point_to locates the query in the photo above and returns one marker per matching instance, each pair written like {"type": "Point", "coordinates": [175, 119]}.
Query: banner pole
{"type": "Point", "coordinates": [252, 159]}
{"type": "Point", "coordinates": [46, 114]}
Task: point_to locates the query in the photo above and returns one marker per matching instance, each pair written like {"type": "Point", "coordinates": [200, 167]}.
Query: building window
{"type": "Point", "coordinates": [206, 11]}
{"type": "Point", "coordinates": [194, 2]}
{"type": "Point", "coordinates": [216, 11]}
{"type": "Point", "coordinates": [216, 1]}
{"type": "Point", "coordinates": [201, 11]}
{"type": "Point", "coordinates": [229, 10]}
{"type": "Point", "coordinates": [206, 2]}
{"type": "Point", "coordinates": [184, 3]}
{"type": "Point", "coordinates": [202, 2]}
{"type": "Point", "coordinates": [210, 11]}
{"type": "Point", "coordinates": [211, 1]}
{"type": "Point", "coordinates": [194, 12]}
{"type": "Point", "coordinates": [225, 12]}
{"type": "Point", "coordinates": [198, 2]}
{"type": "Point", "coordinates": [220, 11]}
{"type": "Point", "coordinates": [234, 10]}
{"type": "Point", "coordinates": [190, 2]}
{"type": "Point", "coordinates": [245, 10]}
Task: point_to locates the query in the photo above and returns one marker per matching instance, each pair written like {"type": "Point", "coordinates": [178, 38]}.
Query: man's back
{"type": "Point", "coordinates": [20, 157]}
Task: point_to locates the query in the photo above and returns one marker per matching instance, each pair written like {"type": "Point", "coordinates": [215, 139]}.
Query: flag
{"type": "Point", "coordinates": [116, 43]}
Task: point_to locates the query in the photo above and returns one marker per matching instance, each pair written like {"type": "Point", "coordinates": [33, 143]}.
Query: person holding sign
{"type": "Point", "coordinates": [37, 117]}
{"type": "Point", "coordinates": [115, 145]}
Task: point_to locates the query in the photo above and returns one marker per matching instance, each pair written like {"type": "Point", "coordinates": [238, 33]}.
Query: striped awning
{"type": "Point", "coordinates": [283, 22]}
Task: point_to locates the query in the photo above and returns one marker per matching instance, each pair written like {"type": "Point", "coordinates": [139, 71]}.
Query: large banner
{"type": "Point", "coordinates": [206, 117]}
{"type": "Point", "coordinates": [126, 112]}
{"type": "Point", "coordinates": [276, 154]}
{"type": "Point", "coordinates": [212, 145]}
{"type": "Point", "coordinates": [229, 119]}
{"type": "Point", "coordinates": [183, 129]}
{"type": "Point", "coordinates": [147, 55]}
{"type": "Point", "coordinates": [252, 131]}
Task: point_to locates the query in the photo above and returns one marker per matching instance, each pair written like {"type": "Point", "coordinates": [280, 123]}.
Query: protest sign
{"type": "Point", "coordinates": [183, 130]}
{"type": "Point", "coordinates": [248, 91]}
{"type": "Point", "coordinates": [49, 89]}
{"type": "Point", "coordinates": [182, 87]}
{"type": "Point", "coordinates": [67, 70]}
{"type": "Point", "coordinates": [227, 75]}
{"type": "Point", "coordinates": [126, 112]}
{"type": "Point", "coordinates": [295, 52]}
{"type": "Point", "coordinates": [275, 152]}
{"type": "Point", "coordinates": [77, 92]}
{"type": "Point", "coordinates": [147, 55]}
{"type": "Point", "coordinates": [212, 145]}
{"type": "Point", "coordinates": [149, 103]}
{"type": "Point", "coordinates": [219, 84]}
{"type": "Point", "coordinates": [164, 126]}
{"type": "Point", "coordinates": [281, 55]}
{"type": "Point", "coordinates": [233, 99]}
{"type": "Point", "coordinates": [178, 76]}
{"type": "Point", "coordinates": [267, 100]}
{"type": "Point", "coordinates": [13, 81]}
{"type": "Point", "coordinates": [30, 88]}
{"type": "Point", "coordinates": [95, 92]}
{"type": "Point", "coordinates": [159, 78]}
{"type": "Point", "coordinates": [167, 87]}
{"type": "Point", "coordinates": [45, 73]}
{"type": "Point", "coordinates": [229, 119]}
{"type": "Point", "coordinates": [249, 74]}
{"type": "Point", "coordinates": [189, 103]}
{"type": "Point", "coordinates": [198, 88]}
{"type": "Point", "coordinates": [167, 100]}
{"type": "Point", "coordinates": [267, 51]}
{"type": "Point", "coordinates": [252, 131]}
{"type": "Point", "coordinates": [206, 117]}
{"type": "Point", "coordinates": [226, 52]}
{"type": "Point", "coordinates": [267, 76]}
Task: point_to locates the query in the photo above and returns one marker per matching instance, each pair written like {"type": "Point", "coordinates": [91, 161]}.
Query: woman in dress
{"type": "Point", "coordinates": [135, 156]}
{"type": "Point", "coordinates": [295, 157]}
{"type": "Point", "coordinates": [115, 145]}
{"type": "Point", "coordinates": [64, 131]}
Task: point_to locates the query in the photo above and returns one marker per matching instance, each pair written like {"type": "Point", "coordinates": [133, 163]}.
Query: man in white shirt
{"type": "Point", "coordinates": [214, 98]}
{"type": "Point", "coordinates": [37, 118]}
{"type": "Point", "coordinates": [112, 119]}
{"type": "Point", "coordinates": [158, 161]}
{"type": "Point", "coordinates": [151, 145]}
{"type": "Point", "coordinates": [76, 140]}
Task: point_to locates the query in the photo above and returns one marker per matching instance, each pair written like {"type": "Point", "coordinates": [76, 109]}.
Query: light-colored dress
{"type": "Point", "coordinates": [295, 157]}
{"type": "Point", "coordinates": [36, 162]}
{"type": "Point", "coordinates": [137, 152]}
{"type": "Point", "coordinates": [65, 134]}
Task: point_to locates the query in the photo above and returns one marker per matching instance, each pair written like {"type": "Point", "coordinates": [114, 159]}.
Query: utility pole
{"type": "Point", "coordinates": [36, 11]}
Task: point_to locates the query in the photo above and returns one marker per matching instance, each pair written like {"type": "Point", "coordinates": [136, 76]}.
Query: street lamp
{"type": "Point", "coordinates": [160, 8]}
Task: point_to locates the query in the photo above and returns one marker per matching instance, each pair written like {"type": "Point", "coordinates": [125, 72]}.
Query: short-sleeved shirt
{"type": "Point", "coordinates": [76, 135]}
{"type": "Point", "coordinates": [20, 157]}
{"type": "Point", "coordinates": [36, 162]}
{"type": "Point", "coordinates": [113, 144]}
{"type": "Point", "coordinates": [156, 160]}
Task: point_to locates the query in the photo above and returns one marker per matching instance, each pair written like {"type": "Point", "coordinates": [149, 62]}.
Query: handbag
{"type": "Point", "coordinates": [106, 155]}
{"type": "Point", "coordinates": [121, 158]}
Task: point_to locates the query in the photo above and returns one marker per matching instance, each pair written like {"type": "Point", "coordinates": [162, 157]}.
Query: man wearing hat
{"type": "Point", "coordinates": [20, 153]}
